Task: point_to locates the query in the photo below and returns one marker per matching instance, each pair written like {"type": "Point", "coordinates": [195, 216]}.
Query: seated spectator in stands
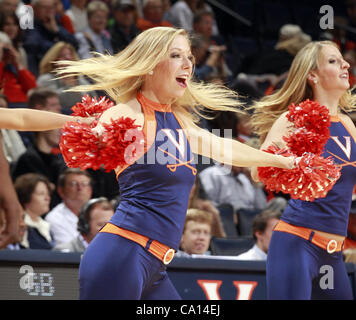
{"type": "Point", "coordinates": [9, 23]}
{"type": "Point", "coordinates": [61, 51]}
{"type": "Point", "coordinates": [75, 189]}
{"type": "Point", "coordinates": [244, 128]}
{"type": "Point", "coordinates": [262, 228]}
{"type": "Point", "coordinates": [78, 14]}
{"type": "Point", "coordinates": [152, 16]}
{"type": "Point", "coordinates": [196, 234]}
{"type": "Point", "coordinates": [224, 185]}
{"type": "Point", "coordinates": [19, 242]}
{"type": "Point", "coordinates": [46, 32]}
{"type": "Point", "coordinates": [63, 18]}
{"type": "Point", "coordinates": [34, 193]}
{"type": "Point", "coordinates": [204, 23]}
{"type": "Point", "coordinates": [95, 38]}
{"type": "Point", "coordinates": [197, 202]}
{"type": "Point", "coordinates": [182, 14]}
{"type": "Point", "coordinates": [12, 144]}
{"type": "Point", "coordinates": [124, 29]}
{"type": "Point", "coordinates": [209, 62]}
{"type": "Point", "coordinates": [16, 80]}
{"type": "Point", "coordinates": [42, 155]}
{"type": "Point", "coordinates": [351, 18]}
{"type": "Point", "coordinates": [92, 217]}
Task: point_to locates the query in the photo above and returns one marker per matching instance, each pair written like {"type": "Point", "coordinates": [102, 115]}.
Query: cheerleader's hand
{"type": "Point", "coordinates": [86, 120]}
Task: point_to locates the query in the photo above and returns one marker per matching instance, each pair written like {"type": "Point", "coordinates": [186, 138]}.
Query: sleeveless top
{"type": "Point", "coordinates": [155, 188]}
{"type": "Point", "coordinates": [330, 214]}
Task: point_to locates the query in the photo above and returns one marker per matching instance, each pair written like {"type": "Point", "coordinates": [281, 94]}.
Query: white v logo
{"type": "Point", "coordinates": [179, 145]}
{"type": "Point", "coordinates": [346, 149]}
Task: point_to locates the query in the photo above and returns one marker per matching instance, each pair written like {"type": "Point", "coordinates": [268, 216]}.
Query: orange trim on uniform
{"type": "Point", "coordinates": [148, 108]}
{"type": "Point", "coordinates": [159, 250]}
{"type": "Point", "coordinates": [348, 130]}
{"type": "Point", "coordinates": [335, 119]}
{"type": "Point", "coordinates": [330, 245]}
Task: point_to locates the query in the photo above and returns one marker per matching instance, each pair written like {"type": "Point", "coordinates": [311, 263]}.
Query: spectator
{"type": "Point", "coordinates": [92, 217]}
{"type": "Point", "coordinates": [196, 233]}
{"type": "Point", "coordinates": [78, 14]}
{"type": "Point", "coordinates": [75, 188]}
{"type": "Point", "coordinates": [95, 38]}
{"type": "Point", "coordinates": [46, 32]}
{"type": "Point", "coordinates": [244, 128]}
{"type": "Point", "coordinates": [9, 23]}
{"type": "Point", "coordinates": [12, 144]}
{"type": "Point", "coordinates": [351, 17]}
{"type": "Point", "coordinates": [9, 205]}
{"type": "Point", "coordinates": [9, 6]}
{"type": "Point", "coordinates": [209, 63]}
{"type": "Point", "coordinates": [152, 16]}
{"type": "Point", "coordinates": [182, 14]}
{"type": "Point", "coordinates": [63, 18]}
{"type": "Point", "coordinates": [15, 79]}
{"type": "Point", "coordinates": [61, 51]}
{"type": "Point", "coordinates": [223, 185]}
{"type": "Point", "coordinates": [19, 243]}
{"type": "Point", "coordinates": [124, 29]}
{"type": "Point", "coordinates": [196, 201]}
{"type": "Point", "coordinates": [262, 228]}
{"type": "Point", "coordinates": [204, 23]}
{"type": "Point", "coordinates": [42, 155]}
{"type": "Point", "coordinates": [33, 191]}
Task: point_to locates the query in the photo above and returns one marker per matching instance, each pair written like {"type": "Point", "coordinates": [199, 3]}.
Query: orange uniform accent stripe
{"type": "Point", "coordinates": [305, 233]}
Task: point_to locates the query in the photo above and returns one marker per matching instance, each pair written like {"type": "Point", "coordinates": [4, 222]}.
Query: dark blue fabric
{"type": "Point", "coordinates": [294, 271]}
{"type": "Point", "coordinates": [113, 268]}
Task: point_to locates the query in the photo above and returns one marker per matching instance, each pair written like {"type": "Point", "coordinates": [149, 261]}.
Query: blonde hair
{"type": "Point", "coordinates": [94, 6]}
{"type": "Point", "coordinates": [200, 216]}
{"type": "Point", "coordinates": [294, 90]}
{"type": "Point", "coordinates": [48, 62]}
{"type": "Point", "coordinates": [122, 75]}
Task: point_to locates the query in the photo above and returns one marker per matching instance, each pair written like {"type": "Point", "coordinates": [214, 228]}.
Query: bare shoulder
{"type": "Point", "coordinates": [131, 109]}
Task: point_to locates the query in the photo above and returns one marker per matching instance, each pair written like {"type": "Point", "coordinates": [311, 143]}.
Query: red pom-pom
{"type": "Point", "coordinates": [117, 146]}
{"type": "Point", "coordinates": [302, 140]}
{"type": "Point", "coordinates": [312, 178]}
{"type": "Point", "coordinates": [80, 146]}
{"type": "Point", "coordinates": [121, 141]}
{"type": "Point", "coordinates": [311, 115]}
{"type": "Point", "coordinates": [91, 107]}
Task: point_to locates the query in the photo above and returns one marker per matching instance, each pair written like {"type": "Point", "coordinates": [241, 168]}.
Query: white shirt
{"type": "Point", "coordinates": [254, 254]}
{"type": "Point", "coordinates": [64, 224]}
{"type": "Point", "coordinates": [222, 186]}
{"type": "Point", "coordinates": [182, 16]}
{"type": "Point", "coordinates": [79, 18]}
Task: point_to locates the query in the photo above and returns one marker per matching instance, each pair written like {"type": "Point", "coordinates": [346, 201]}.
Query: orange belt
{"type": "Point", "coordinates": [330, 245]}
{"type": "Point", "coordinates": [159, 250]}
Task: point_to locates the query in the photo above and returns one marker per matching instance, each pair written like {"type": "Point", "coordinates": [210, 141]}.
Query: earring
{"type": "Point", "coordinates": [315, 81]}
{"type": "Point", "coordinates": [150, 73]}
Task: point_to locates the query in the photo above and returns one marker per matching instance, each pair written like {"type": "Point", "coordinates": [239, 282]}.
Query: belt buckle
{"type": "Point", "coordinates": [168, 257]}
{"type": "Point", "coordinates": [331, 243]}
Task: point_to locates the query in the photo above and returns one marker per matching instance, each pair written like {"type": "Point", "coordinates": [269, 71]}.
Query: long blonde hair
{"type": "Point", "coordinates": [122, 75]}
{"type": "Point", "coordinates": [48, 62]}
{"type": "Point", "coordinates": [294, 90]}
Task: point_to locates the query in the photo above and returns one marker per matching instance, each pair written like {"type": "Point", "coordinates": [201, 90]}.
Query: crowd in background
{"type": "Point", "coordinates": [64, 208]}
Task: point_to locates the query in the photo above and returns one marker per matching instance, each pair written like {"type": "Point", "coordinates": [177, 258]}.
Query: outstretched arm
{"type": "Point", "coordinates": [232, 152]}
{"type": "Point", "coordinates": [34, 120]}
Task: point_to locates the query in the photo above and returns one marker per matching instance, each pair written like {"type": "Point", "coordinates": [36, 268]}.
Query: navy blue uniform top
{"type": "Point", "coordinates": [330, 214]}
{"type": "Point", "coordinates": [155, 189]}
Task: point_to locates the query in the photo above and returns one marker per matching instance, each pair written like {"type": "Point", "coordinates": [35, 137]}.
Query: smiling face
{"type": "Point", "coordinates": [332, 71]}
{"type": "Point", "coordinates": [170, 76]}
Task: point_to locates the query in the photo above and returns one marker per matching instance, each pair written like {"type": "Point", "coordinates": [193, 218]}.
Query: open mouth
{"type": "Point", "coordinates": [182, 82]}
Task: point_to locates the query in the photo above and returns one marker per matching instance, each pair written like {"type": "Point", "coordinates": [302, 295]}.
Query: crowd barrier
{"type": "Point", "coordinates": [42, 274]}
